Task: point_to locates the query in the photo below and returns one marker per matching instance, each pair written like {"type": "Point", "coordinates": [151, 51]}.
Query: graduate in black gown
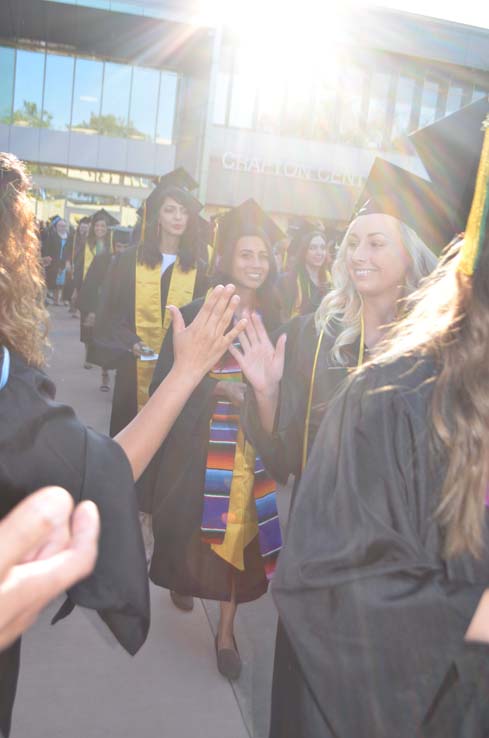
{"type": "Point", "coordinates": [381, 260]}
{"type": "Point", "coordinates": [302, 288]}
{"type": "Point", "coordinates": [79, 240]}
{"type": "Point", "coordinates": [165, 268]}
{"type": "Point", "coordinates": [382, 586]}
{"type": "Point", "coordinates": [211, 493]}
{"type": "Point", "coordinates": [90, 270]}
{"type": "Point", "coordinates": [58, 248]}
{"type": "Point", "coordinates": [42, 442]}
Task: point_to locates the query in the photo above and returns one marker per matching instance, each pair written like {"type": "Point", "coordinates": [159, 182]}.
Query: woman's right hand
{"type": "Point", "coordinates": [199, 346]}
{"type": "Point", "coordinates": [139, 349]}
{"type": "Point", "coordinates": [260, 361]}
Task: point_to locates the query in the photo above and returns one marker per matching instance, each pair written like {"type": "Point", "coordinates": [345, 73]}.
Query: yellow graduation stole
{"type": "Point", "coordinates": [150, 327]}
{"type": "Point", "coordinates": [361, 352]}
{"type": "Point", "coordinates": [87, 259]}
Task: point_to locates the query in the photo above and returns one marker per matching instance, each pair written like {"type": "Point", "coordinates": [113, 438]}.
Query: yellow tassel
{"type": "Point", "coordinates": [212, 262]}
{"type": "Point", "coordinates": [470, 248]}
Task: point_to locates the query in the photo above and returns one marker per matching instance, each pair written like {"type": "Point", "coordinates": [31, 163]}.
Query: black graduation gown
{"type": "Point", "coordinates": [282, 451]}
{"type": "Point", "coordinates": [90, 296]}
{"type": "Point", "coordinates": [375, 615]}
{"type": "Point", "coordinates": [43, 443]}
{"type": "Point", "coordinates": [181, 561]}
{"type": "Point", "coordinates": [115, 331]}
{"type": "Point", "coordinates": [312, 294]}
{"type": "Point", "coordinates": [52, 247]}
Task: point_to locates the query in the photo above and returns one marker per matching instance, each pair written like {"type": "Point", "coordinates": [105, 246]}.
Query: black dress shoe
{"type": "Point", "coordinates": [228, 661]}
{"type": "Point", "coordinates": [183, 602]}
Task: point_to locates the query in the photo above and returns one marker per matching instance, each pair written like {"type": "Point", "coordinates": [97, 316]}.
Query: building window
{"type": "Point", "coordinates": [455, 98]}
{"type": "Point", "coordinates": [221, 98]}
{"type": "Point", "coordinates": [478, 92]}
{"type": "Point", "coordinates": [325, 105]}
{"type": "Point", "coordinates": [58, 91]}
{"type": "Point", "coordinates": [144, 102]}
{"type": "Point", "coordinates": [429, 103]}
{"type": "Point", "coordinates": [29, 80]}
{"type": "Point", "coordinates": [113, 120]}
{"type": "Point", "coordinates": [403, 108]}
{"type": "Point", "coordinates": [87, 96]}
{"type": "Point", "coordinates": [298, 105]}
{"type": "Point", "coordinates": [167, 107]}
{"type": "Point", "coordinates": [378, 109]}
{"type": "Point", "coordinates": [7, 64]}
{"type": "Point", "coordinates": [243, 96]}
{"type": "Point", "coordinates": [270, 110]}
{"type": "Point", "coordinates": [352, 95]}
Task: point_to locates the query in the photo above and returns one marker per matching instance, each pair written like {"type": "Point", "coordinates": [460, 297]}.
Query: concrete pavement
{"type": "Point", "coordinates": [76, 682]}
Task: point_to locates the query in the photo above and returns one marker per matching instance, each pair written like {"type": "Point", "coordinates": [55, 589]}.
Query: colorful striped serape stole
{"type": "Point", "coordinates": [234, 472]}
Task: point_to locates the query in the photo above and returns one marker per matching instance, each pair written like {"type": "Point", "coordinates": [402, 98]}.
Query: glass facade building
{"type": "Point", "coordinates": [43, 89]}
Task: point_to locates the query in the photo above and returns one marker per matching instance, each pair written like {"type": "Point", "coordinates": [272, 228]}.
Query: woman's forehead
{"type": "Point", "coordinates": [374, 223]}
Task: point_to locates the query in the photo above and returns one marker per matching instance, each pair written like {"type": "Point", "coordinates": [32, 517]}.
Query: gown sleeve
{"type": "Point", "coordinates": [374, 614]}
{"type": "Point", "coordinates": [47, 445]}
{"type": "Point", "coordinates": [114, 334]}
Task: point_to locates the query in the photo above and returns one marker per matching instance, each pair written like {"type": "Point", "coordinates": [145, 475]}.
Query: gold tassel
{"type": "Point", "coordinates": [476, 223]}
{"type": "Point", "coordinates": [212, 262]}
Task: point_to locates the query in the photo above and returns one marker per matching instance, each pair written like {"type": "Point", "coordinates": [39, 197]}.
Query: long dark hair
{"type": "Point", "coordinates": [190, 246]}
{"type": "Point", "coordinates": [91, 240]}
{"type": "Point", "coordinates": [305, 242]}
{"type": "Point", "coordinates": [266, 294]}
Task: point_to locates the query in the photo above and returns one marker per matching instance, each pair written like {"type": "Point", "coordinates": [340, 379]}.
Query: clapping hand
{"type": "Point", "coordinates": [260, 361]}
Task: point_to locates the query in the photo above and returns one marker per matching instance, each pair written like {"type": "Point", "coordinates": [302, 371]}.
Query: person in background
{"type": "Point", "coordinates": [58, 255]}
{"type": "Point", "coordinates": [79, 239]}
{"type": "Point", "coordinates": [303, 287]}
{"type": "Point", "coordinates": [166, 268]}
{"type": "Point", "coordinates": [215, 522]}
{"type": "Point", "coordinates": [42, 442]}
{"type": "Point", "coordinates": [98, 244]}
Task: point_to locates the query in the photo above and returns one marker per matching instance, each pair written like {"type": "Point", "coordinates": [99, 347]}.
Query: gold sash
{"type": "Point", "coordinates": [87, 259]}
{"type": "Point", "coordinates": [149, 326]}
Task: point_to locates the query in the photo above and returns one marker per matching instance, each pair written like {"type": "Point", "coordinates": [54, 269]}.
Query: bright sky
{"type": "Point", "coordinates": [470, 12]}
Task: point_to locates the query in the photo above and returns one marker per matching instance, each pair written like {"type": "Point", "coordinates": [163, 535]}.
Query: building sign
{"type": "Point", "coordinates": [256, 165]}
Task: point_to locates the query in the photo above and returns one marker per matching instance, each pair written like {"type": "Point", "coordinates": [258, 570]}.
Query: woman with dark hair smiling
{"type": "Point", "coordinates": [215, 520]}
{"type": "Point", "coordinates": [302, 288]}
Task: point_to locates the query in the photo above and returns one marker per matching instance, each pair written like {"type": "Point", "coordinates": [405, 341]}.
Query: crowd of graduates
{"type": "Point", "coordinates": [355, 362]}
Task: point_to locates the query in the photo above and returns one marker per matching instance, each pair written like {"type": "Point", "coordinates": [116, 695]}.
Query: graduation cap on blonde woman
{"type": "Point", "coordinates": [178, 184]}
{"type": "Point", "coordinates": [391, 190]}
{"type": "Point", "coordinates": [450, 150]}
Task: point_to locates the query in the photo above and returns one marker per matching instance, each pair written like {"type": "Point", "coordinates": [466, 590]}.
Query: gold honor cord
{"type": "Point", "coordinates": [477, 222]}
{"type": "Point", "coordinates": [361, 353]}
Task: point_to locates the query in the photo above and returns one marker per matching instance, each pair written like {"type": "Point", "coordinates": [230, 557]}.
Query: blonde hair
{"type": "Point", "coordinates": [343, 305]}
{"type": "Point", "coordinates": [23, 317]}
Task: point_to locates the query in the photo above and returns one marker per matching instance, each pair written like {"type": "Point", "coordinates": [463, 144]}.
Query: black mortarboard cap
{"type": "Point", "coordinates": [179, 179]}
{"type": "Point", "coordinates": [102, 214]}
{"type": "Point", "coordinates": [450, 149]}
{"type": "Point", "coordinates": [391, 190]}
{"type": "Point", "coordinates": [238, 220]}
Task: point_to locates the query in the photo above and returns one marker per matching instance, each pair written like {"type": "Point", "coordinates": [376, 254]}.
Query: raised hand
{"type": "Point", "coordinates": [199, 346]}
{"type": "Point", "coordinates": [260, 361]}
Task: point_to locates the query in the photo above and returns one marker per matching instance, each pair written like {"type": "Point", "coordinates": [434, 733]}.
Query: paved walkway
{"type": "Point", "coordinates": [78, 683]}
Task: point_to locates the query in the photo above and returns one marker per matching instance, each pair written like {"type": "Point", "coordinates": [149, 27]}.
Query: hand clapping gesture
{"type": "Point", "coordinates": [260, 361]}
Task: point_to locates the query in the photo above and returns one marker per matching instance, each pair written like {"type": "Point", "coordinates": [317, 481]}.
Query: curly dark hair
{"type": "Point", "coordinates": [23, 316]}
{"type": "Point", "coordinates": [190, 247]}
